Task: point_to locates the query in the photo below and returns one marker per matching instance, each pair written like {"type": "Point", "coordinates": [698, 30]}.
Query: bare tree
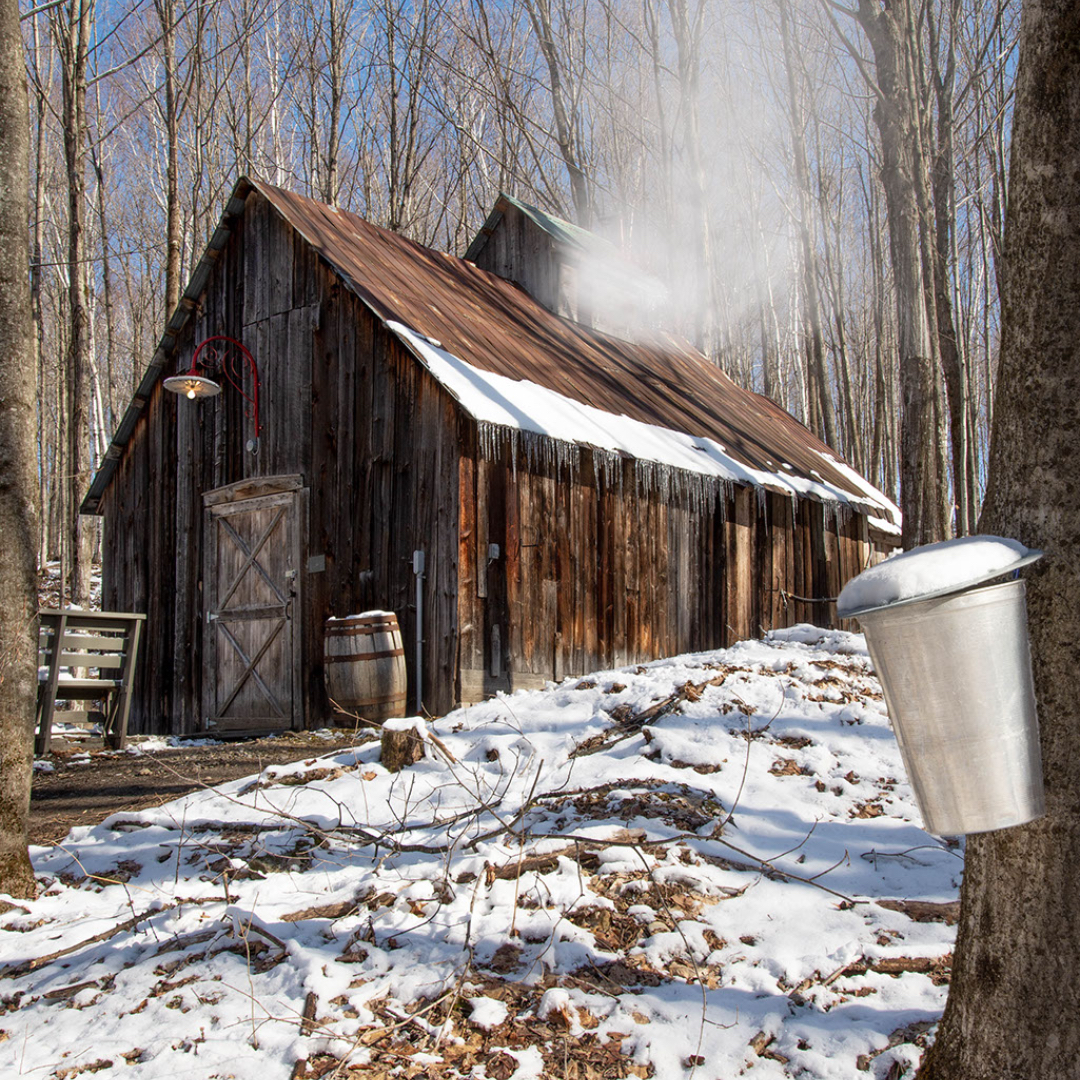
{"type": "Point", "coordinates": [890, 27]}
{"type": "Point", "coordinates": [71, 25]}
{"type": "Point", "coordinates": [564, 69]}
{"type": "Point", "coordinates": [822, 417]}
{"type": "Point", "coordinates": [18, 482]}
{"type": "Point", "coordinates": [170, 113]}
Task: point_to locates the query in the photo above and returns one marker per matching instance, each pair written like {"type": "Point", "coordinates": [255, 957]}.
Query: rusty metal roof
{"type": "Point", "coordinates": [494, 325]}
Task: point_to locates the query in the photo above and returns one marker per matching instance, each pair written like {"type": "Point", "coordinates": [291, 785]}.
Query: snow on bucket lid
{"type": "Point", "coordinates": [934, 570]}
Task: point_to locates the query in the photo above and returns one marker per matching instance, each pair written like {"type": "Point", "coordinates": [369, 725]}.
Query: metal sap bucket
{"type": "Point", "coordinates": [956, 673]}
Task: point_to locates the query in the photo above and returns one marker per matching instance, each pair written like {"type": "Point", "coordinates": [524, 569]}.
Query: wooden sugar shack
{"type": "Point", "coordinates": [531, 497]}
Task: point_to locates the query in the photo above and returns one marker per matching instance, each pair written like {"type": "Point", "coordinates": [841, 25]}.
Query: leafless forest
{"type": "Point", "coordinates": [818, 189]}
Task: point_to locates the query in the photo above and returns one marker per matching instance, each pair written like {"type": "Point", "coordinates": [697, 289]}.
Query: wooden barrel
{"type": "Point", "coordinates": [364, 664]}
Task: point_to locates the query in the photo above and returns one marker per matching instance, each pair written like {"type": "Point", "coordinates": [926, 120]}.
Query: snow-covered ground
{"type": "Point", "coordinates": [694, 867]}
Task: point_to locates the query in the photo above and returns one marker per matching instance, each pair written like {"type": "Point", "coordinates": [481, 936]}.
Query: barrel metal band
{"type": "Point", "coordinates": [368, 629]}
{"type": "Point", "coordinates": [350, 658]}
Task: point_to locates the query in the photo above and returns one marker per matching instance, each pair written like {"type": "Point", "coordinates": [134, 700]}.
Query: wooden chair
{"type": "Point", "coordinates": [86, 656]}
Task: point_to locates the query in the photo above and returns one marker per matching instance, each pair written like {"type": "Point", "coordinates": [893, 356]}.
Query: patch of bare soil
{"type": "Point", "coordinates": [82, 792]}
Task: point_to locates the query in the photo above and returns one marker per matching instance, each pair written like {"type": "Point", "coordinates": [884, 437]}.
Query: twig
{"type": "Point", "coordinates": [251, 926]}
{"type": "Point", "coordinates": [441, 747]}
{"type": "Point", "coordinates": [381, 1033]}
{"type": "Point", "coordinates": [675, 922]}
{"type": "Point", "coordinates": [466, 968]}
{"type": "Point", "coordinates": [783, 698]}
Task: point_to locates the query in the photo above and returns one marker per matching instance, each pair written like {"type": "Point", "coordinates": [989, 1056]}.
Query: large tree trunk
{"type": "Point", "coordinates": [954, 364]}
{"type": "Point", "coordinates": [1010, 1015]}
{"type": "Point", "coordinates": [46, 476]}
{"type": "Point", "coordinates": [18, 479]}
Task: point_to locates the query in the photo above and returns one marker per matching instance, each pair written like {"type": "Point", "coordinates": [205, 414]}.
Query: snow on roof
{"type": "Point", "coordinates": [526, 406]}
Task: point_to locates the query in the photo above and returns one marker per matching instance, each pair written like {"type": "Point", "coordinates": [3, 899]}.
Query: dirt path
{"type": "Point", "coordinates": [86, 792]}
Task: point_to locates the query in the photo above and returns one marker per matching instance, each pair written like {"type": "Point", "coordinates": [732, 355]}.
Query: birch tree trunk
{"type": "Point", "coordinates": [18, 479]}
{"type": "Point", "coordinates": [1010, 1013]}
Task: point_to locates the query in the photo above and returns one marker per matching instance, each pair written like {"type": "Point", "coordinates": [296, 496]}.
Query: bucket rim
{"type": "Point", "coordinates": [951, 590]}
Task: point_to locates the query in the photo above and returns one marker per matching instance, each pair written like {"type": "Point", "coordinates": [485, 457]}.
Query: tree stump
{"type": "Point", "coordinates": [402, 744]}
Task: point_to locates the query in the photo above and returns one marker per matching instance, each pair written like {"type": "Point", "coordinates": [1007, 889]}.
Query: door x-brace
{"type": "Point", "coordinates": [249, 668]}
{"type": "Point", "coordinates": [251, 557]}
{"type": "Point", "coordinates": [251, 563]}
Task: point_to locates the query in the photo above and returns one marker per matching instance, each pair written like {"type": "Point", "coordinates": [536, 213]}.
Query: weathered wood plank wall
{"type": "Point", "coordinates": [384, 484]}
{"type": "Point", "coordinates": [344, 406]}
{"type": "Point", "coordinates": [139, 528]}
{"type": "Point", "coordinates": [518, 251]}
{"type": "Point", "coordinates": [597, 575]}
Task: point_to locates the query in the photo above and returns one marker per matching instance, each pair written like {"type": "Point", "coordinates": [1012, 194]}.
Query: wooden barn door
{"type": "Point", "coordinates": [251, 672]}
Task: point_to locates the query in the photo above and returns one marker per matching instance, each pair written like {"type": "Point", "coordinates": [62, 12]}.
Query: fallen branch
{"type": "Point", "coordinates": [66, 992]}
{"type": "Point", "coordinates": [15, 971]}
{"type": "Point", "coordinates": [925, 911]}
{"type": "Point", "coordinates": [307, 1017]}
{"type": "Point", "coordinates": [886, 965]}
{"type": "Point", "coordinates": [630, 726]}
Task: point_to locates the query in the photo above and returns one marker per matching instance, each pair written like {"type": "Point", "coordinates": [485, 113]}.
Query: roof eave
{"type": "Point", "coordinates": [166, 349]}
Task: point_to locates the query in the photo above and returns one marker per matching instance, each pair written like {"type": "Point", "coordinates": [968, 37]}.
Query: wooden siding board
{"type": "Point", "coordinates": [470, 604]}
{"type": "Point", "coordinates": [623, 604]}
{"type": "Point", "coordinates": [503, 572]}
{"type": "Point", "coordinates": [762, 563]}
{"type": "Point", "coordinates": [516, 573]}
{"type": "Point", "coordinates": [687, 591]}
{"type": "Point", "coordinates": [564, 579]}
{"type": "Point", "coordinates": [605, 549]}
{"type": "Point", "coordinates": [806, 583]}
{"type": "Point", "coordinates": [820, 566]}
{"type": "Point", "coordinates": [328, 492]}
{"type": "Point", "coordinates": [588, 653]}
